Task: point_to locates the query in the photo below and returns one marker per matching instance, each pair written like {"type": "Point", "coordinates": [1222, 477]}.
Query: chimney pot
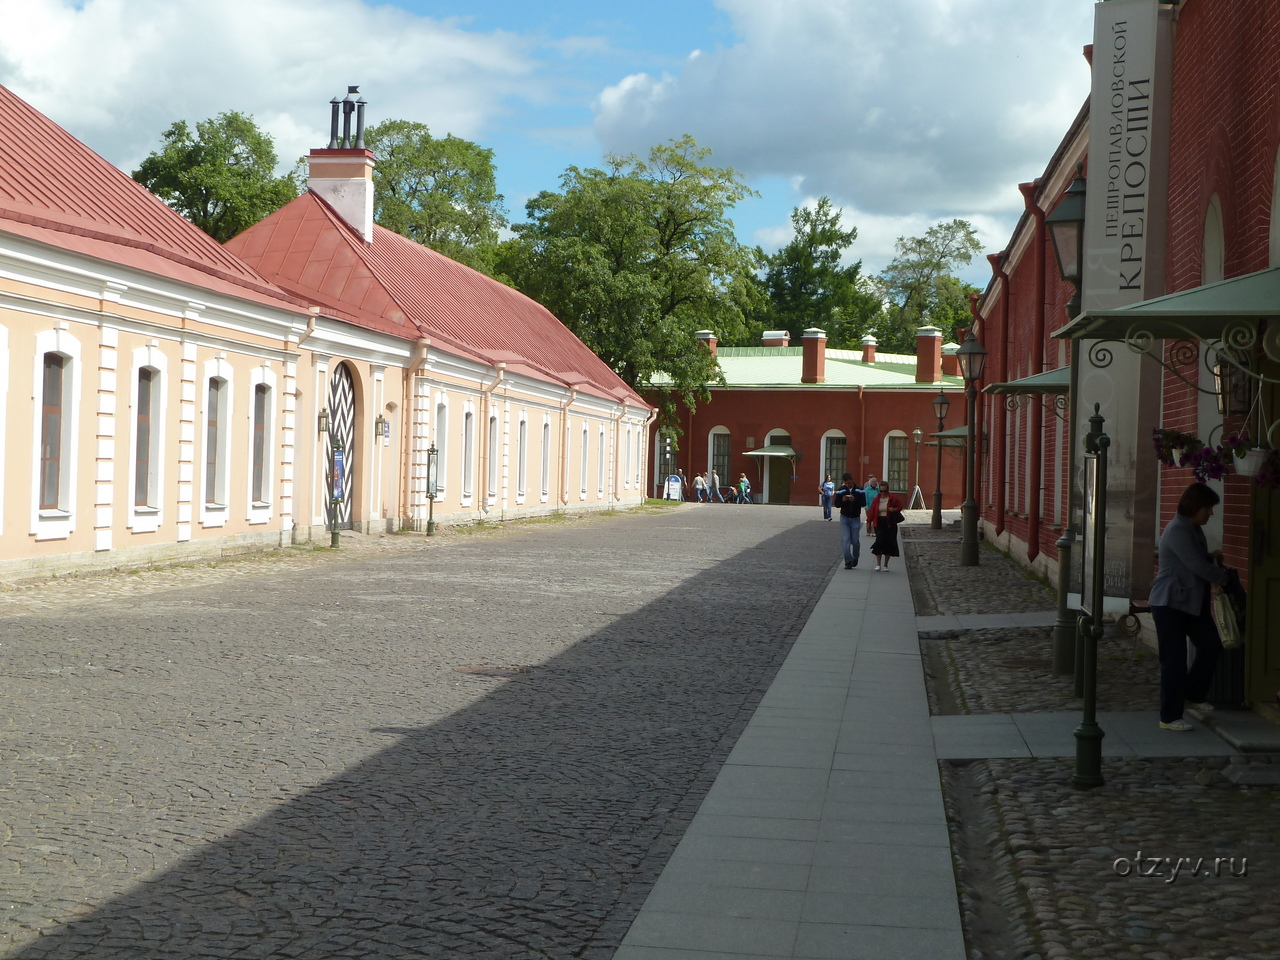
{"type": "Point", "coordinates": [950, 362]}
{"type": "Point", "coordinates": [928, 355]}
{"type": "Point", "coordinates": [708, 340]}
{"type": "Point", "coordinates": [813, 366]}
{"type": "Point", "coordinates": [869, 349]}
{"type": "Point", "coordinates": [775, 338]}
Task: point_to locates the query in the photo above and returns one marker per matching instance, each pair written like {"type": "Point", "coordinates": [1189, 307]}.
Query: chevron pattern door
{"type": "Point", "coordinates": [342, 429]}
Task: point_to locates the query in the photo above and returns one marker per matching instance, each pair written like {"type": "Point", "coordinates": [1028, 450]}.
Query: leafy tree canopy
{"type": "Point", "coordinates": [920, 288]}
{"type": "Point", "coordinates": [807, 285]}
{"type": "Point", "coordinates": [636, 258]}
{"type": "Point", "coordinates": [222, 179]}
{"type": "Point", "coordinates": [439, 192]}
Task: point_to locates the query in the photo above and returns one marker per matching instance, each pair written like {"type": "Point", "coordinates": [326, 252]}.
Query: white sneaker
{"type": "Point", "coordinates": [877, 568]}
{"type": "Point", "coordinates": [1205, 707]}
{"type": "Point", "coordinates": [1180, 725]}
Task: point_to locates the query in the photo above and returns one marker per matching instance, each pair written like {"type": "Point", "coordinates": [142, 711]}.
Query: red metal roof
{"type": "Point", "coordinates": [55, 190]}
{"type": "Point", "coordinates": [398, 286]}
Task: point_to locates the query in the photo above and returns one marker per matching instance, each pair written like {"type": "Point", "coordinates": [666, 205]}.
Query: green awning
{"type": "Point", "coordinates": [1201, 313]}
{"type": "Point", "coordinates": [772, 450]}
{"type": "Point", "coordinates": [954, 437]}
{"type": "Point", "coordinates": [1050, 381]}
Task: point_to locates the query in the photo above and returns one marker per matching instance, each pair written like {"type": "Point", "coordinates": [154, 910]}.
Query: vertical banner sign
{"type": "Point", "coordinates": [1123, 232]}
{"type": "Point", "coordinates": [1118, 213]}
{"type": "Point", "coordinates": [337, 473]}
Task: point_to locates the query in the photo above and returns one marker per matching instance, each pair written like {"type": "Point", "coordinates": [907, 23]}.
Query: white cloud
{"type": "Point", "coordinates": [116, 73]}
{"type": "Point", "coordinates": [914, 105]}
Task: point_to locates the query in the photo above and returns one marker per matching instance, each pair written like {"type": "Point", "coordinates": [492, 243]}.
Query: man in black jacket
{"type": "Point", "coordinates": [850, 500]}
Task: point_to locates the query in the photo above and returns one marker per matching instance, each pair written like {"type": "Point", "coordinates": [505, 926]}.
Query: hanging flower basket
{"type": "Point", "coordinates": [1250, 461]}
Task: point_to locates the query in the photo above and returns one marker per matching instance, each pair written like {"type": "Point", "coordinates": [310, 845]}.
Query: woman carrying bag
{"type": "Point", "coordinates": [885, 513]}
{"type": "Point", "coordinates": [1180, 601]}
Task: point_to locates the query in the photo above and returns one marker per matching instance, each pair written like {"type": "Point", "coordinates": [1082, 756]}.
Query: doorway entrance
{"type": "Point", "coordinates": [342, 431]}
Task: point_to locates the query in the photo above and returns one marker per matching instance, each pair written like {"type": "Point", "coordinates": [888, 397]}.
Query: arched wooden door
{"type": "Point", "coordinates": [342, 432]}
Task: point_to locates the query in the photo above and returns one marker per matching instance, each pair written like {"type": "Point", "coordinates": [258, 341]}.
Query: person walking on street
{"type": "Point", "coordinates": [684, 484]}
{"type": "Point", "coordinates": [884, 513]}
{"type": "Point", "coordinates": [744, 489]}
{"type": "Point", "coordinates": [1179, 601]}
{"type": "Point", "coordinates": [715, 486]}
{"type": "Point", "coordinates": [869, 490]}
{"type": "Point", "coordinates": [700, 489]}
{"type": "Point", "coordinates": [850, 501]}
{"type": "Point", "coordinates": [827, 490]}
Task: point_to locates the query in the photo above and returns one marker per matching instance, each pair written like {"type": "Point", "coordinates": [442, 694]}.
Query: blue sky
{"type": "Point", "coordinates": [904, 112]}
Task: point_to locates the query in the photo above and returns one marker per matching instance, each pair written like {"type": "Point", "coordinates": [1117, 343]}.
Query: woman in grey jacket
{"type": "Point", "coordinates": [1180, 607]}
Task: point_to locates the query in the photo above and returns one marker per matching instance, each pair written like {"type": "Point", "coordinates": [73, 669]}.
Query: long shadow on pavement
{"type": "Point", "coordinates": [531, 823]}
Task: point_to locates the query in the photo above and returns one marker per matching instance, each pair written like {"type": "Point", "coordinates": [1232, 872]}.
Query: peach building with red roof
{"type": "Point", "coordinates": [163, 397]}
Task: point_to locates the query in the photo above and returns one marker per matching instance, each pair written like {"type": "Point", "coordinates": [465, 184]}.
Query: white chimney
{"type": "Point", "coordinates": [342, 174]}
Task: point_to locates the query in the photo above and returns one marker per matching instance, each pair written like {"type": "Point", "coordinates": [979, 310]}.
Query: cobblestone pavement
{"type": "Point", "coordinates": [486, 744]}
{"type": "Point", "coordinates": [1048, 871]}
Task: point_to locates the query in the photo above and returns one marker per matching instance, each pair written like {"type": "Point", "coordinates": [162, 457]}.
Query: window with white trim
{"type": "Point", "coordinates": [53, 433]}
{"type": "Point", "coordinates": [468, 453]}
{"type": "Point", "coordinates": [546, 459]}
{"type": "Point", "coordinates": [260, 486]}
{"type": "Point", "coordinates": [442, 444]}
{"type": "Point", "coordinates": [215, 442]}
{"type": "Point", "coordinates": [600, 465]}
{"type": "Point", "coordinates": [146, 435]}
{"type": "Point", "coordinates": [626, 458]}
{"type": "Point", "coordinates": [582, 465]}
{"type": "Point", "coordinates": [492, 492]}
{"type": "Point", "coordinates": [522, 458]}
{"type": "Point", "coordinates": [719, 443]}
{"type": "Point", "coordinates": [55, 427]}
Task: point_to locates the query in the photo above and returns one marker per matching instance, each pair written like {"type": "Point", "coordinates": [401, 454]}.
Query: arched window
{"type": "Point", "coordinates": [468, 452]}
{"type": "Point", "coordinates": [546, 459]}
{"type": "Point", "coordinates": [492, 492]}
{"type": "Point", "coordinates": [442, 443]}
{"type": "Point", "coordinates": [582, 464]}
{"type": "Point", "coordinates": [718, 453]}
{"type": "Point", "coordinates": [835, 454]}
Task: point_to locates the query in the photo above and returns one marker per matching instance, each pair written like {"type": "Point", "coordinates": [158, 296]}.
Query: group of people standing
{"type": "Point", "coordinates": [707, 488]}
{"type": "Point", "coordinates": [883, 515]}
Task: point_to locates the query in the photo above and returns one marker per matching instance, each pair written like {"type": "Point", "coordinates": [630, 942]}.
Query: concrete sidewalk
{"type": "Point", "coordinates": [824, 836]}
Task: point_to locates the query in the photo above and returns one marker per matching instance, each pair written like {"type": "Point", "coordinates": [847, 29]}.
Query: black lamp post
{"type": "Point", "coordinates": [916, 434]}
{"type": "Point", "coordinates": [1066, 230]}
{"type": "Point", "coordinates": [973, 358]}
{"type": "Point", "coordinates": [433, 487]}
{"type": "Point", "coordinates": [940, 407]}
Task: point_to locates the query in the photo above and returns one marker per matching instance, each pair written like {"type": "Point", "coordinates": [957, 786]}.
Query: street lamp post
{"type": "Point", "coordinates": [433, 487]}
{"type": "Point", "coordinates": [940, 407]}
{"type": "Point", "coordinates": [1088, 734]}
{"type": "Point", "coordinates": [916, 434]}
{"type": "Point", "coordinates": [973, 358]}
{"type": "Point", "coordinates": [1066, 230]}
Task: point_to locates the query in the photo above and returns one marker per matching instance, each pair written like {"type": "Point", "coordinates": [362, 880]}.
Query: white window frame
{"type": "Point", "coordinates": [215, 514]}
{"type": "Point", "coordinates": [826, 455]}
{"type": "Point", "coordinates": [522, 457]}
{"type": "Point", "coordinates": [639, 459]}
{"type": "Point", "coordinates": [58, 523]}
{"type": "Point", "coordinates": [584, 453]}
{"type": "Point", "coordinates": [600, 463]}
{"type": "Point", "coordinates": [148, 517]}
{"type": "Point", "coordinates": [440, 427]}
{"type": "Point", "coordinates": [491, 494]}
{"type": "Point", "coordinates": [468, 453]}
{"type": "Point", "coordinates": [626, 466]}
{"type": "Point", "coordinates": [546, 459]}
{"type": "Point", "coordinates": [261, 511]}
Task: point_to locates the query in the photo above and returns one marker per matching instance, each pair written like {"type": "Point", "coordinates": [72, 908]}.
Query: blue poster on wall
{"type": "Point", "coordinates": [338, 464]}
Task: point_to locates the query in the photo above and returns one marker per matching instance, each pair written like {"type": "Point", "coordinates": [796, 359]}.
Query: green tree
{"type": "Point", "coordinates": [920, 286]}
{"type": "Point", "coordinates": [635, 258]}
{"type": "Point", "coordinates": [222, 179]}
{"type": "Point", "coordinates": [439, 192]}
{"type": "Point", "coordinates": [807, 285]}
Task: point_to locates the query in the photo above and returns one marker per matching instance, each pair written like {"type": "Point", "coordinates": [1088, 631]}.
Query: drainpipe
{"type": "Point", "coordinates": [862, 434]}
{"type": "Point", "coordinates": [1000, 461]}
{"type": "Point", "coordinates": [1035, 452]}
{"type": "Point", "coordinates": [416, 360]}
{"type": "Point", "coordinates": [485, 403]}
{"type": "Point", "coordinates": [564, 445]}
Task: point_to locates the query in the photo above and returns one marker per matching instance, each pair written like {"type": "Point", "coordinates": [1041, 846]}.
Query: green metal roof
{"type": "Point", "coordinates": [779, 367]}
{"type": "Point", "coordinates": [1201, 312]}
{"type": "Point", "coordinates": [1050, 381]}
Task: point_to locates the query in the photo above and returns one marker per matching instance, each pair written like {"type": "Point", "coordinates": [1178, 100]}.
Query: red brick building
{"type": "Point", "coordinates": [787, 415]}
